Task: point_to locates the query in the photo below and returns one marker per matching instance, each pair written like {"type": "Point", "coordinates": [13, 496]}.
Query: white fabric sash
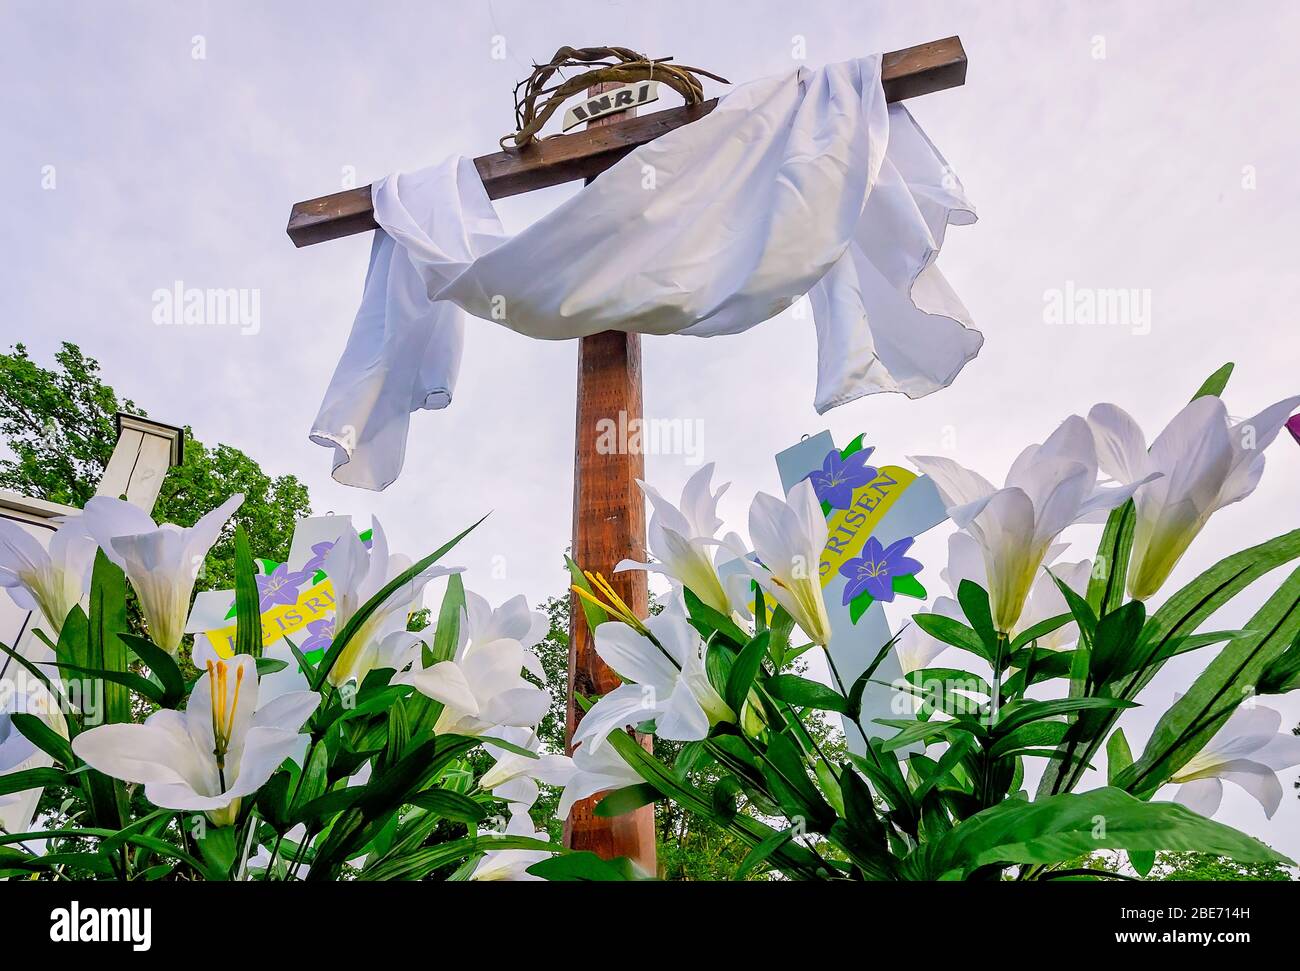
{"type": "Point", "coordinates": [808, 183]}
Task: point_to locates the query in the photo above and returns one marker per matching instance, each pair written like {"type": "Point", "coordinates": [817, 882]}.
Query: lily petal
{"type": "Point", "coordinates": [1121, 446]}
{"type": "Point", "coordinates": [624, 707]}
{"type": "Point", "coordinates": [635, 656]}
{"type": "Point", "coordinates": [1202, 796]}
{"type": "Point", "coordinates": [445, 682]}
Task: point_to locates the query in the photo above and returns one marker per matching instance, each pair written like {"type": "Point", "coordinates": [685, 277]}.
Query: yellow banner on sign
{"type": "Point", "coordinates": [314, 603]}
{"type": "Point", "coordinates": [849, 528]}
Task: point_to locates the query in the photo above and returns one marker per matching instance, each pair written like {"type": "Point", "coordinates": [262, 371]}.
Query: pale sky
{"type": "Point", "coordinates": [1105, 145]}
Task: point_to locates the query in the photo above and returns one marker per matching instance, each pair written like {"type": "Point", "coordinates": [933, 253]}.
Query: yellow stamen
{"type": "Point", "coordinates": [615, 607]}
{"type": "Point", "coordinates": [584, 594]}
{"type": "Point", "coordinates": [222, 670]}
{"type": "Point", "coordinates": [223, 716]}
{"type": "Point", "coordinates": [608, 590]}
{"type": "Point", "coordinates": [212, 695]}
{"type": "Point", "coordinates": [239, 680]}
{"type": "Point", "coordinates": [588, 596]}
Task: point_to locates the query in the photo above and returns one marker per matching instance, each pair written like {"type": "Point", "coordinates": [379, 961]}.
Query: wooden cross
{"type": "Point", "coordinates": [608, 509]}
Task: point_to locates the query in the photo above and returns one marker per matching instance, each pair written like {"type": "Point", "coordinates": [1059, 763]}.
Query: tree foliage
{"type": "Point", "coordinates": [1205, 866]}
{"type": "Point", "coordinates": [1175, 866]}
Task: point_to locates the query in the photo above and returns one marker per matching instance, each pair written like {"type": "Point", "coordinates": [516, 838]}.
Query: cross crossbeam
{"type": "Point", "coordinates": [907, 73]}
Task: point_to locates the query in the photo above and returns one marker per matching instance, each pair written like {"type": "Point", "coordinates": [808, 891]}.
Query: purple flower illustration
{"type": "Point", "coordinates": [835, 481]}
{"type": "Point", "coordinates": [280, 586]}
{"type": "Point", "coordinates": [320, 550]}
{"type": "Point", "coordinates": [873, 572]}
{"type": "Point", "coordinates": [1293, 426]}
{"type": "Point", "coordinates": [317, 561]}
{"type": "Point", "coordinates": [320, 634]}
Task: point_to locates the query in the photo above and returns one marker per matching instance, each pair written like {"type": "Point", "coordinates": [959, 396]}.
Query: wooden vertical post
{"type": "Point", "coordinates": [608, 526]}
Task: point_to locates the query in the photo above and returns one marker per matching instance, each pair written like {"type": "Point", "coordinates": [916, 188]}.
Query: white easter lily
{"type": "Point", "coordinates": [1248, 751]}
{"type": "Point", "coordinates": [916, 649]}
{"type": "Point", "coordinates": [671, 685]}
{"type": "Point", "coordinates": [31, 698]}
{"type": "Point", "coordinates": [27, 696]}
{"type": "Point", "coordinates": [223, 747]}
{"type": "Point", "coordinates": [482, 688]}
{"type": "Point", "coordinates": [588, 772]}
{"type": "Point", "coordinates": [1203, 462]}
{"type": "Point", "coordinates": [1045, 599]}
{"type": "Point", "coordinates": [514, 776]}
{"type": "Point", "coordinates": [260, 861]}
{"type": "Point", "coordinates": [357, 575]}
{"type": "Point", "coordinates": [682, 540]}
{"type": "Point", "coordinates": [789, 536]}
{"type": "Point", "coordinates": [513, 620]}
{"type": "Point", "coordinates": [513, 864]}
{"type": "Point", "coordinates": [50, 581]}
{"type": "Point", "coordinates": [594, 770]}
{"type": "Point", "coordinates": [162, 562]}
{"type": "Point", "coordinates": [1049, 487]}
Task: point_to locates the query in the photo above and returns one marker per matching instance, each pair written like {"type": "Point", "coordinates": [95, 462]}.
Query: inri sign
{"type": "Point", "coordinates": [608, 102]}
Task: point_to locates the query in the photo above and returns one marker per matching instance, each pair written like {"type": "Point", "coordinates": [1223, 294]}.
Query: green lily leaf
{"type": "Point", "coordinates": [1118, 755]}
{"type": "Point", "coordinates": [1114, 643]}
{"type": "Point", "coordinates": [953, 632]}
{"type": "Point", "coordinates": [585, 866]}
{"type": "Point", "coordinates": [1073, 824]}
{"type": "Point", "coordinates": [1110, 564]}
{"type": "Point", "coordinates": [34, 729]}
{"type": "Point", "coordinates": [1228, 680]}
{"type": "Point", "coordinates": [248, 612]}
{"type": "Point", "coordinates": [162, 665]}
{"type": "Point", "coordinates": [745, 671]}
{"type": "Point", "coordinates": [803, 693]}
{"type": "Point", "coordinates": [1215, 383]}
{"type": "Point", "coordinates": [625, 800]}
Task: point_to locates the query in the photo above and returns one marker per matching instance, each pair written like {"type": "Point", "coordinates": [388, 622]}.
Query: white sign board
{"type": "Point", "coordinates": [611, 101]}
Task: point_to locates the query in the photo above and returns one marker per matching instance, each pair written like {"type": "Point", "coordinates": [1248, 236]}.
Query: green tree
{"type": "Point", "coordinates": [58, 423]}
{"type": "Point", "coordinates": [1184, 866]}
{"type": "Point", "coordinates": [1204, 866]}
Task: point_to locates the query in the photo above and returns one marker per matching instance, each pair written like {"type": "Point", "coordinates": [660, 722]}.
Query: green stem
{"type": "Point", "coordinates": [995, 705]}
{"type": "Point", "coordinates": [275, 852]}
{"type": "Point", "coordinates": [855, 716]}
{"type": "Point", "coordinates": [803, 731]}
{"type": "Point", "coordinates": [291, 873]}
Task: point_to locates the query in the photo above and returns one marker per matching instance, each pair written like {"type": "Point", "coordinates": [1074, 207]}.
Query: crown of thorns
{"type": "Point", "coordinates": [535, 102]}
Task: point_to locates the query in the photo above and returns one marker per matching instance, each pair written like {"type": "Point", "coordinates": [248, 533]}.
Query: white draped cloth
{"type": "Point", "coordinates": [806, 183]}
